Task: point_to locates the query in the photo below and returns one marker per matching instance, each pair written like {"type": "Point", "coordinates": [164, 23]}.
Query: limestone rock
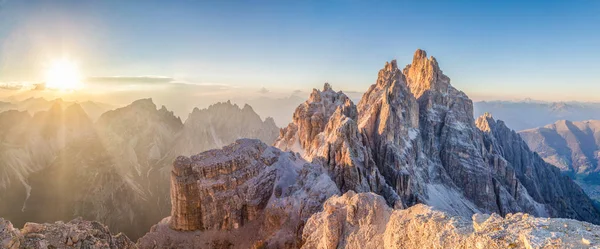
{"type": "Point", "coordinates": [9, 236]}
{"type": "Point", "coordinates": [74, 234]}
{"type": "Point", "coordinates": [243, 194]}
{"type": "Point", "coordinates": [427, 146]}
{"type": "Point", "coordinates": [365, 221]}
{"type": "Point", "coordinates": [389, 122]}
{"type": "Point", "coordinates": [325, 131]}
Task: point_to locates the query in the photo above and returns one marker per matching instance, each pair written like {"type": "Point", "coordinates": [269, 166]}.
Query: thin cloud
{"type": "Point", "coordinates": [131, 79]}
{"type": "Point", "coordinates": [8, 86]}
{"type": "Point", "coordinates": [264, 90]}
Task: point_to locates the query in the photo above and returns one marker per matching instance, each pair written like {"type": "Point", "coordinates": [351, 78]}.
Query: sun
{"type": "Point", "coordinates": [64, 75]}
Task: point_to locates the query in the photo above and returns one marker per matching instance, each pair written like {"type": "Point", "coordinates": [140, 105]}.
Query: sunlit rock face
{"type": "Point", "coordinates": [325, 131]}
{"type": "Point", "coordinates": [365, 221]}
{"type": "Point", "coordinates": [244, 194]}
{"type": "Point", "coordinates": [388, 120]}
{"type": "Point", "coordinates": [74, 234]}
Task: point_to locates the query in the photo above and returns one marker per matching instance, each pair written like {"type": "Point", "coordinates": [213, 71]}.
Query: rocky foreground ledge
{"type": "Point", "coordinates": [74, 234]}
{"type": "Point", "coordinates": [349, 221]}
{"type": "Point", "coordinates": [365, 221]}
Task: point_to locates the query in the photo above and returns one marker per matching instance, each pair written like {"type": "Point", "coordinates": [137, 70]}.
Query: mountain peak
{"type": "Point", "coordinates": [144, 103]}
{"type": "Point", "coordinates": [424, 74]}
{"type": "Point", "coordinates": [485, 122]}
{"type": "Point", "coordinates": [390, 66]}
{"type": "Point", "coordinates": [326, 87]}
{"type": "Point", "coordinates": [420, 54]}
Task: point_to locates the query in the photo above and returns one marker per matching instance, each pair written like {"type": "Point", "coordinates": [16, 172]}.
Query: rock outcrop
{"type": "Point", "coordinates": [74, 234]}
{"type": "Point", "coordinates": [365, 221]}
{"type": "Point", "coordinates": [325, 131]}
{"type": "Point", "coordinates": [244, 194]}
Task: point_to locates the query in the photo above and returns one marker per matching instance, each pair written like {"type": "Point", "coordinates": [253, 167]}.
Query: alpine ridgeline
{"type": "Point", "coordinates": [412, 139]}
{"type": "Point", "coordinates": [59, 164]}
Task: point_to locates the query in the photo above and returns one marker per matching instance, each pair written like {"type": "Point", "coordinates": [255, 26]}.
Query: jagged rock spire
{"type": "Point", "coordinates": [484, 122]}
{"type": "Point", "coordinates": [424, 74]}
{"type": "Point", "coordinates": [325, 130]}
{"type": "Point", "coordinates": [326, 87]}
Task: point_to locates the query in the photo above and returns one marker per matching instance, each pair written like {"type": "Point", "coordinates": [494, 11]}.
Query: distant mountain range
{"type": "Point", "coordinates": [574, 147]}
{"type": "Point", "coordinates": [33, 105]}
{"type": "Point", "coordinates": [58, 163]}
{"type": "Point", "coordinates": [527, 114]}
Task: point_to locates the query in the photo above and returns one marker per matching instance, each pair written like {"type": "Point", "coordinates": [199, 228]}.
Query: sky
{"type": "Point", "coordinates": [545, 50]}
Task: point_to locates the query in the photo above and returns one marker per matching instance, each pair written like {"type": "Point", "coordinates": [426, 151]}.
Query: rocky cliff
{"type": "Point", "coordinates": [325, 131]}
{"type": "Point", "coordinates": [245, 194]}
{"type": "Point", "coordinates": [561, 196]}
{"type": "Point", "coordinates": [365, 221]}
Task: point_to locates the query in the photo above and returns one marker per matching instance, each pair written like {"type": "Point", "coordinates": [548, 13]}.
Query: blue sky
{"type": "Point", "coordinates": [490, 49]}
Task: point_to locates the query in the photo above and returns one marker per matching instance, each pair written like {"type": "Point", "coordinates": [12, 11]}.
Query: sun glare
{"type": "Point", "coordinates": [63, 75]}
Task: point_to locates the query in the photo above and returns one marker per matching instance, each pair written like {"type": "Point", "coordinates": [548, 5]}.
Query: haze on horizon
{"type": "Point", "coordinates": [236, 50]}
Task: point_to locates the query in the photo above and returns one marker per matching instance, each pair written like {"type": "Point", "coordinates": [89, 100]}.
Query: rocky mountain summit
{"type": "Point", "coordinates": [412, 140]}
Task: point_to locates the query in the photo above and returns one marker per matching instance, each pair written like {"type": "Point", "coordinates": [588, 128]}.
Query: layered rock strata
{"type": "Point", "coordinates": [246, 193]}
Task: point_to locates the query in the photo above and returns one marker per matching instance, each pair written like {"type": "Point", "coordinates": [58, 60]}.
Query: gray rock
{"type": "Point", "coordinates": [244, 194]}
{"type": "Point", "coordinates": [74, 234]}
